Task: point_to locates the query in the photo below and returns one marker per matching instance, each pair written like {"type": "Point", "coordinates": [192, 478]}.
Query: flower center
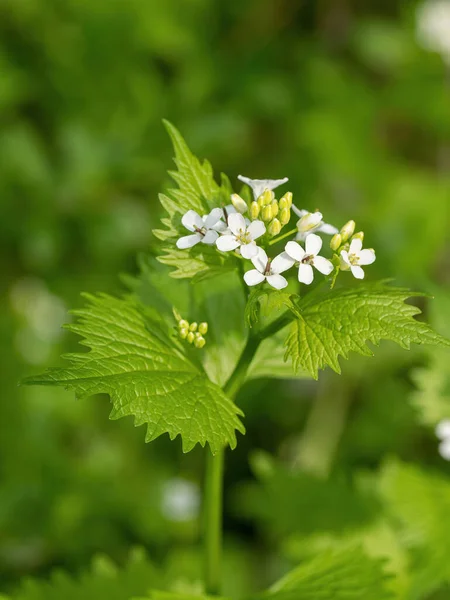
{"type": "Point", "coordinates": [201, 231]}
{"type": "Point", "coordinates": [308, 259]}
{"type": "Point", "coordinates": [353, 259]}
{"type": "Point", "coordinates": [244, 236]}
{"type": "Point", "coordinates": [267, 269]}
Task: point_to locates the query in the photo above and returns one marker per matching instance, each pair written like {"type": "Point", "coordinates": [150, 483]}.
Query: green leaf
{"type": "Point", "coordinates": [344, 320]}
{"type": "Point", "coordinates": [146, 375]}
{"type": "Point", "coordinates": [264, 302]}
{"type": "Point", "coordinates": [344, 575]}
{"type": "Point", "coordinates": [104, 582]}
{"type": "Point", "coordinates": [201, 262]}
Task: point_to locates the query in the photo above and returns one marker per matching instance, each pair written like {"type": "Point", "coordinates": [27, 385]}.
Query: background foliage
{"type": "Point", "coordinates": [339, 96]}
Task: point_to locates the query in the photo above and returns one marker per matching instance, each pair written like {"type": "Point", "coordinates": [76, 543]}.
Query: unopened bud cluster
{"type": "Point", "coordinates": [193, 332]}
{"type": "Point", "coordinates": [340, 241]}
{"type": "Point", "coordinates": [276, 213]}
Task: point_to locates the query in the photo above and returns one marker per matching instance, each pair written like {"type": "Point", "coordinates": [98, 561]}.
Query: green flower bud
{"type": "Point", "coordinates": [287, 199]}
{"type": "Point", "coordinates": [203, 328]}
{"type": "Point", "coordinates": [266, 213]}
{"type": "Point", "coordinates": [274, 227]}
{"type": "Point", "coordinates": [268, 197]}
{"type": "Point", "coordinates": [254, 210]}
{"type": "Point", "coordinates": [285, 216]}
{"type": "Point", "coordinates": [336, 241]}
{"type": "Point", "coordinates": [199, 342]}
{"type": "Point", "coordinates": [274, 207]}
{"type": "Point", "coordinates": [358, 236]}
{"type": "Point", "coordinates": [283, 203]}
{"type": "Point", "coordinates": [184, 331]}
{"type": "Point", "coordinates": [193, 326]}
{"type": "Point", "coordinates": [183, 324]}
{"type": "Point", "coordinates": [347, 230]}
{"type": "Point", "coordinates": [239, 203]}
{"type": "Point", "coordinates": [190, 337]}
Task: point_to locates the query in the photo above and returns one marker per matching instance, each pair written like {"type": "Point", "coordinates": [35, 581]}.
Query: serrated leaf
{"type": "Point", "coordinates": [262, 302]}
{"type": "Point", "coordinates": [100, 583]}
{"type": "Point", "coordinates": [344, 575]}
{"type": "Point", "coordinates": [146, 375]}
{"type": "Point", "coordinates": [201, 262]}
{"type": "Point", "coordinates": [344, 320]}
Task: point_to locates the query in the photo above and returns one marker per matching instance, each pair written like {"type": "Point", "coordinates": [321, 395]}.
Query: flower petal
{"type": "Point", "coordinates": [323, 265]}
{"type": "Point", "coordinates": [299, 212]}
{"type": "Point", "coordinates": [344, 257]}
{"type": "Point", "coordinates": [444, 449]}
{"type": "Point", "coordinates": [355, 246]}
{"type": "Point", "coordinates": [259, 185]}
{"type": "Point", "coordinates": [249, 250]}
{"type": "Point", "coordinates": [236, 223]}
{"type": "Point", "coordinates": [295, 251]}
{"type": "Point", "coordinates": [277, 281]}
{"type": "Point", "coordinates": [210, 237]}
{"type": "Point", "coordinates": [366, 257]}
{"type": "Point", "coordinates": [313, 244]}
{"type": "Point", "coordinates": [253, 277]}
{"type": "Point", "coordinates": [221, 227]}
{"type": "Point", "coordinates": [310, 221]}
{"type": "Point", "coordinates": [281, 263]}
{"type": "Point", "coordinates": [188, 241]}
{"type": "Point", "coordinates": [256, 229]}
{"type": "Point", "coordinates": [191, 220]}
{"type": "Point", "coordinates": [214, 216]}
{"type": "Point", "coordinates": [328, 229]}
{"type": "Point", "coordinates": [305, 273]}
{"type": "Point", "coordinates": [357, 272]}
{"type": "Point", "coordinates": [226, 243]}
{"type": "Point", "coordinates": [260, 260]}
{"type": "Point", "coordinates": [443, 429]}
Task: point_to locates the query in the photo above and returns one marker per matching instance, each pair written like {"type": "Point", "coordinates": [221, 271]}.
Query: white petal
{"type": "Point", "coordinates": [357, 272]}
{"type": "Point", "coordinates": [328, 229]}
{"type": "Point", "coordinates": [309, 221]}
{"type": "Point", "coordinates": [323, 265]}
{"type": "Point", "coordinates": [253, 277]}
{"type": "Point", "coordinates": [260, 260]}
{"type": "Point", "coordinates": [256, 229]}
{"type": "Point", "coordinates": [366, 257]}
{"type": "Point", "coordinates": [444, 449]}
{"type": "Point", "coordinates": [259, 185]}
{"type": "Point", "coordinates": [210, 237]}
{"type": "Point", "coordinates": [188, 241]}
{"type": "Point", "coordinates": [443, 429]}
{"type": "Point", "coordinates": [249, 250]}
{"type": "Point", "coordinates": [313, 244]}
{"type": "Point", "coordinates": [355, 246]}
{"type": "Point", "coordinates": [295, 251]}
{"type": "Point", "coordinates": [236, 223]}
{"type": "Point", "coordinates": [281, 263]}
{"type": "Point", "coordinates": [277, 281]}
{"type": "Point", "coordinates": [226, 243]}
{"type": "Point", "coordinates": [191, 220]}
{"type": "Point", "coordinates": [344, 257]}
{"type": "Point", "coordinates": [221, 227]}
{"type": "Point", "coordinates": [305, 273]}
{"type": "Point", "coordinates": [298, 212]}
{"type": "Point", "coordinates": [301, 236]}
{"type": "Point", "coordinates": [214, 216]}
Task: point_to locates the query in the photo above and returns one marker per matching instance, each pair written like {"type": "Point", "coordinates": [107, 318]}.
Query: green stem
{"type": "Point", "coordinates": [282, 237]}
{"type": "Point", "coordinates": [213, 491]}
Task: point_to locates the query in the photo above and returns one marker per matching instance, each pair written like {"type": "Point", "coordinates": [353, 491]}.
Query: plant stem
{"type": "Point", "coordinates": [282, 237]}
{"type": "Point", "coordinates": [213, 490]}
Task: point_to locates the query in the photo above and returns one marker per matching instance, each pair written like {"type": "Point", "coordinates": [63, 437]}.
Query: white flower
{"type": "Point", "coordinates": [204, 228]}
{"type": "Point", "coordinates": [241, 236]}
{"type": "Point", "coordinates": [260, 185]}
{"type": "Point", "coordinates": [356, 257]}
{"type": "Point", "coordinates": [311, 223]}
{"type": "Point", "coordinates": [433, 27]}
{"type": "Point", "coordinates": [269, 270]}
{"type": "Point", "coordinates": [309, 258]}
{"type": "Point", "coordinates": [443, 433]}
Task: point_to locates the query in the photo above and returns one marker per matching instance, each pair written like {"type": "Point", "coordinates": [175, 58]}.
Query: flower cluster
{"type": "Point", "coordinates": [230, 231]}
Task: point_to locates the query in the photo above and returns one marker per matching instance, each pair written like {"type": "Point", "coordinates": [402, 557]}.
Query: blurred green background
{"type": "Point", "coordinates": [350, 99]}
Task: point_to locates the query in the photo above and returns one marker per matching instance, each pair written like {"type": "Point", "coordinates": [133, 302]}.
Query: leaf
{"type": "Point", "coordinates": [344, 320]}
{"type": "Point", "coordinates": [344, 575]}
{"type": "Point", "coordinates": [146, 375]}
{"type": "Point", "coordinates": [201, 262]}
{"type": "Point", "coordinates": [263, 302]}
{"type": "Point", "coordinates": [104, 582]}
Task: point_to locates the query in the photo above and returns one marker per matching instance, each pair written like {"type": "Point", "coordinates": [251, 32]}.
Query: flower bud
{"type": "Point", "coordinates": [268, 197]}
{"type": "Point", "coordinates": [283, 203]}
{"type": "Point", "coordinates": [358, 236]}
{"type": "Point", "coordinates": [193, 326]}
{"type": "Point", "coordinates": [309, 221]}
{"type": "Point", "coordinates": [239, 204]}
{"type": "Point", "coordinates": [203, 328]}
{"type": "Point", "coordinates": [199, 341]}
{"type": "Point", "coordinates": [184, 331]}
{"type": "Point", "coordinates": [190, 337]}
{"type": "Point", "coordinates": [254, 210]}
{"type": "Point", "coordinates": [274, 227]}
{"type": "Point", "coordinates": [266, 213]}
{"type": "Point", "coordinates": [274, 207]}
{"type": "Point", "coordinates": [347, 230]}
{"type": "Point", "coordinates": [183, 324]}
{"type": "Point", "coordinates": [288, 199]}
{"type": "Point", "coordinates": [336, 241]}
{"type": "Point", "coordinates": [285, 216]}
